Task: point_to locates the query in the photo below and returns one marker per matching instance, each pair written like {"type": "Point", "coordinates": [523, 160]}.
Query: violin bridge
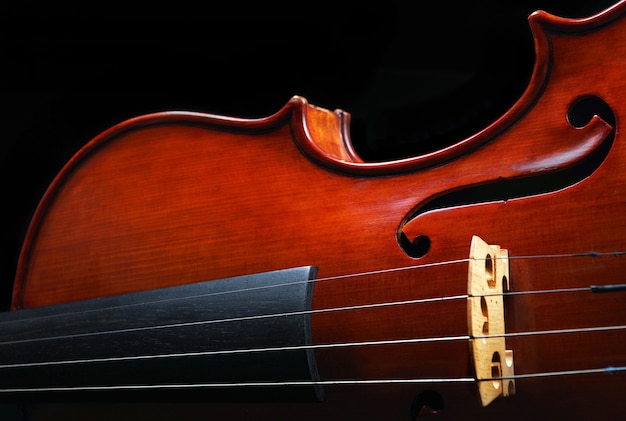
{"type": "Point", "coordinates": [488, 279]}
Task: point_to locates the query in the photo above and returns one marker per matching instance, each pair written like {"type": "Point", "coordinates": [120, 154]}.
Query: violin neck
{"type": "Point", "coordinates": [197, 336]}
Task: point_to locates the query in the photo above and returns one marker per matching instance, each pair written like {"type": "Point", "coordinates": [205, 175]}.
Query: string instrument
{"type": "Point", "coordinates": [260, 267]}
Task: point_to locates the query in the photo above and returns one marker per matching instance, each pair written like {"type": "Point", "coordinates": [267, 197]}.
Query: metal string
{"type": "Point", "coordinates": [257, 288]}
{"type": "Point", "coordinates": [355, 275]}
{"type": "Point", "coordinates": [593, 288]}
{"type": "Point", "coordinates": [288, 314]}
{"type": "Point", "coordinates": [177, 386]}
{"type": "Point", "coordinates": [312, 347]}
{"type": "Point", "coordinates": [316, 311]}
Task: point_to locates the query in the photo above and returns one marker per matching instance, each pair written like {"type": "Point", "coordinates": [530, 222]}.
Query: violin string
{"type": "Point", "coordinates": [336, 345]}
{"type": "Point", "coordinates": [178, 386]}
{"type": "Point", "coordinates": [289, 314]}
{"type": "Point", "coordinates": [345, 308]}
{"type": "Point", "coordinates": [239, 319]}
{"type": "Point", "coordinates": [248, 289]}
{"type": "Point", "coordinates": [592, 288]}
{"type": "Point", "coordinates": [308, 347]}
{"type": "Point", "coordinates": [238, 351]}
{"type": "Point", "coordinates": [234, 385]}
{"type": "Point", "coordinates": [340, 277]}
{"type": "Point", "coordinates": [552, 332]}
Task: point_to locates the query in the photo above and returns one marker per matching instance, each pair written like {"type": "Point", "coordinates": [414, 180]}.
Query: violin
{"type": "Point", "coordinates": [261, 267]}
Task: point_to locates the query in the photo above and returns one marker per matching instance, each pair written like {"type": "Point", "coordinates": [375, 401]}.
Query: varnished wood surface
{"type": "Point", "coordinates": [177, 198]}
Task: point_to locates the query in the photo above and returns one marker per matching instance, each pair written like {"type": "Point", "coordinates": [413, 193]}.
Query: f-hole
{"type": "Point", "coordinates": [585, 107]}
{"type": "Point", "coordinates": [580, 112]}
{"type": "Point", "coordinates": [428, 401]}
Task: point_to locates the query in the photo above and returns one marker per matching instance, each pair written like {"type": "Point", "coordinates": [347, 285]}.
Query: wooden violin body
{"type": "Point", "coordinates": [177, 198]}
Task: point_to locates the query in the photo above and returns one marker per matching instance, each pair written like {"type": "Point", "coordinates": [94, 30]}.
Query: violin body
{"type": "Point", "coordinates": [177, 198]}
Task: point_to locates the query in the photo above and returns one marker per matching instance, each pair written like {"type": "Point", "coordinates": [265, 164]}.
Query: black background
{"type": "Point", "coordinates": [414, 75]}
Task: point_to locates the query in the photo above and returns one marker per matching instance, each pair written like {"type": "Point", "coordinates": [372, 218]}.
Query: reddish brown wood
{"type": "Point", "coordinates": [174, 198]}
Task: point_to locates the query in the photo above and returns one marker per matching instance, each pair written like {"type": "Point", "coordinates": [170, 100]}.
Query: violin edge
{"type": "Point", "coordinates": [554, 23]}
{"type": "Point", "coordinates": [542, 25]}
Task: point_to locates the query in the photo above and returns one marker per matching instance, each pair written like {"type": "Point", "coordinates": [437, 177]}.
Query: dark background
{"type": "Point", "coordinates": [415, 75]}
